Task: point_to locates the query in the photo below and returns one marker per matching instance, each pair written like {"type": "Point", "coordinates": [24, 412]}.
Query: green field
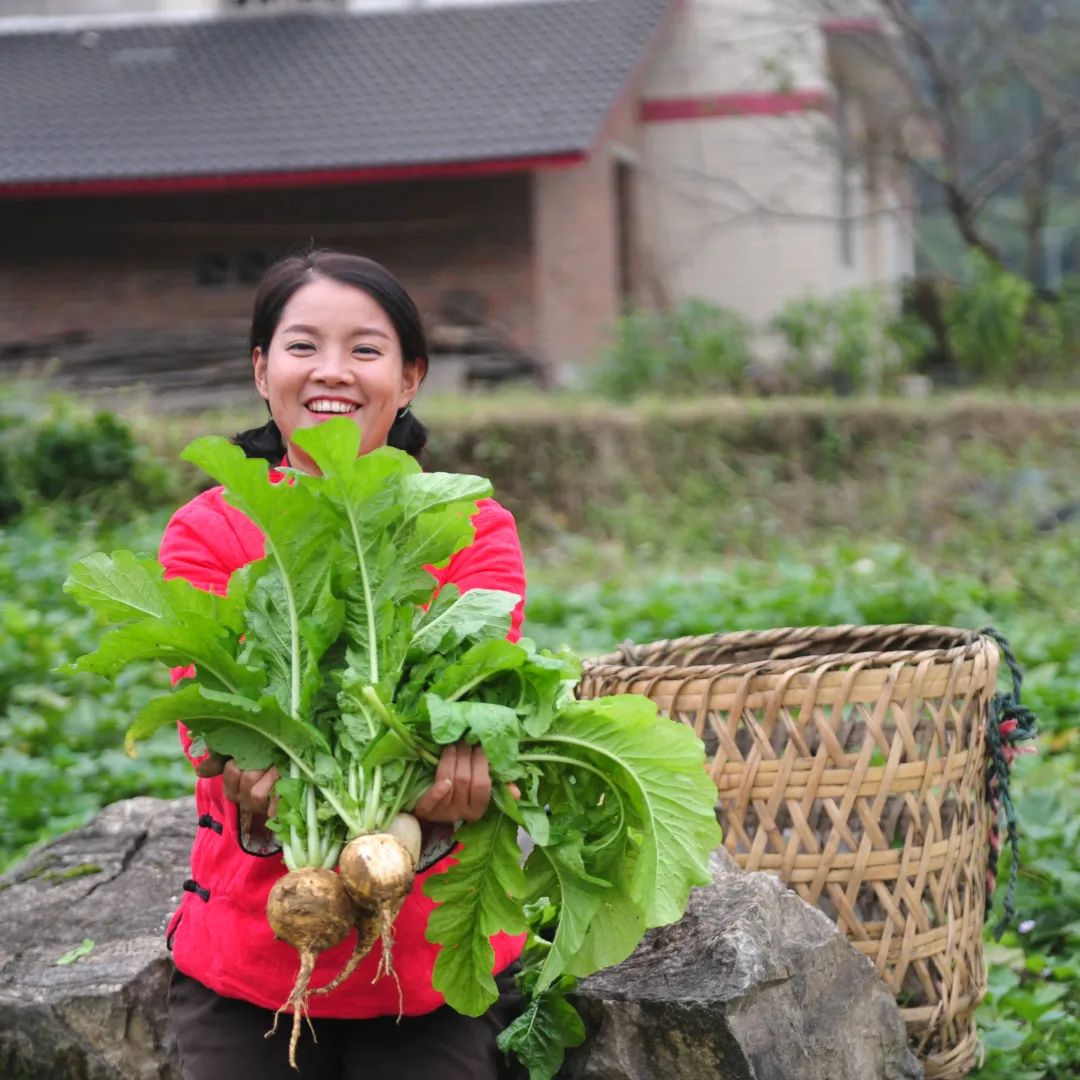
{"type": "Point", "coordinates": [879, 529]}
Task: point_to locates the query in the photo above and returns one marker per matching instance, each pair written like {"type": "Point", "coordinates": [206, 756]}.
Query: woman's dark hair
{"type": "Point", "coordinates": [276, 289]}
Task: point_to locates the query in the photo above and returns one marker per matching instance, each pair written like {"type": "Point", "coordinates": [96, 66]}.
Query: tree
{"type": "Point", "coordinates": [994, 83]}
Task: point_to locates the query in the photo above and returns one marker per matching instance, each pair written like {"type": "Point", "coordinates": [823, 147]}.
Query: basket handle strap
{"type": "Point", "coordinates": [1009, 723]}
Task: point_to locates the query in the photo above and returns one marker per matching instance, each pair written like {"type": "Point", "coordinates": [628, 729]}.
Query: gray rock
{"type": "Point", "coordinates": [116, 882]}
{"type": "Point", "coordinates": [752, 984]}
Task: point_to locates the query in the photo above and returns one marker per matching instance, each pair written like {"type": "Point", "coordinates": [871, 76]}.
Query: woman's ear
{"type": "Point", "coordinates": [258, 361]}
{"type": "Point", "coordinates": [412, 375]}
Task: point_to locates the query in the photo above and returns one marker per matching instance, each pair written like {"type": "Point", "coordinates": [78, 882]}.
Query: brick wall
{"type": "Point", "coordinates": [581, 238]}
{"type": "Point", "coordinates": [110, 271]}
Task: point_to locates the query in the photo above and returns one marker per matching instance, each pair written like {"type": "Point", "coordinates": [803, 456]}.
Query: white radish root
{"type": "Point", "coordinates": [377, 871]}
{"type": "Point", "coordinates": [311, 910]}
{"type": "Point", "coordinates": [406, 830]}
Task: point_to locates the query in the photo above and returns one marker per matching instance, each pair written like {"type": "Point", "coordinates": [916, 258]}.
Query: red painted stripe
{"type": "Point", "coordinates": [658, 110]}
{"type": "Point", "coordinates": [166, 185]}
{"type": "Point", "coordinates": [853, 26]}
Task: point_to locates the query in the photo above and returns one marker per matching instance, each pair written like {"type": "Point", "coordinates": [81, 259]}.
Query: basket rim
{"type": "Point", "coordinates": [969, 644]}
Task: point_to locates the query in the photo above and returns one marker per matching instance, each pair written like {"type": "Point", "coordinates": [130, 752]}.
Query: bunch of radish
{"type": "Point", "coordinates": [331, 660]}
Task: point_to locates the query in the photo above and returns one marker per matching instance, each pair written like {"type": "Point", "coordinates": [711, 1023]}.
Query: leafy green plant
{"type": "Point", "coordinates": [54, 453]}
{"type": "Point", "coordinates": [985, 319]}
{"type": "Point", "coordinates": [850, 343]}
{"type": "Point", "coordinates": [999, 330]}
{"type": "Point", "coordinates": [697, 348]}
{"type": "Point", "coordinates": [709, 346]}
{"type": "Point", "coordinates": [62, 733]}
{"type": "Point", "coordinates": [323, 661]}
{"type": "Point", "coordinates": [804, 326]}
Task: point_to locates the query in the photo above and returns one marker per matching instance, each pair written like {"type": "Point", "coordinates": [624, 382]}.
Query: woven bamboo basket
{"type": "Point", "coordinates": [851, 762]}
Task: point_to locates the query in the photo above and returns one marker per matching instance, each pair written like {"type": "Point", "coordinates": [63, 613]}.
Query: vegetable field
{"type": "Point", "coordinates": [63, 733]}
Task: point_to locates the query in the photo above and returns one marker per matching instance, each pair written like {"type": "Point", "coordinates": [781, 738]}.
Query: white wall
{"type": "Point", "coordinates": [719, 46]}
{"type": "Point", "coordinates": [747, 211]}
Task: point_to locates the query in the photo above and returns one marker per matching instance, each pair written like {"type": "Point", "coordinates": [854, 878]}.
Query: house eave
{"type": "Point", "coordinates": [284, 180]}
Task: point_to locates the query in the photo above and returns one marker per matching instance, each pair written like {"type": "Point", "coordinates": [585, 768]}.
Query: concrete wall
{"type": "Point", "coordinates": [751, 210]}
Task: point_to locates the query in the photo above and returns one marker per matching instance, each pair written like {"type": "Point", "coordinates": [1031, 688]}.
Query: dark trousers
{"type": "Point", "coordinates": [223, 1039]}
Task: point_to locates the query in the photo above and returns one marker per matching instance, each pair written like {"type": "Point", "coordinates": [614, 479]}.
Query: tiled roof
{"type": "Point", "coordinates": [315, 90]}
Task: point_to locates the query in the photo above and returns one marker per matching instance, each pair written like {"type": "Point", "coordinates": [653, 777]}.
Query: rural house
{"type": "Point", "coordinates": [529, 168]}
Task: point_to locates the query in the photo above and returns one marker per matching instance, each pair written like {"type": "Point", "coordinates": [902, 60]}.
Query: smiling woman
{"type": "Point", "coordinates": [332, 334]}
{"type": "Point", "coordinates": [335, 333]}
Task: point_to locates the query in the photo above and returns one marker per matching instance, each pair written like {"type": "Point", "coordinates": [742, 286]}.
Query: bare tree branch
{"type": "Point", "coordinates": [949, 112]}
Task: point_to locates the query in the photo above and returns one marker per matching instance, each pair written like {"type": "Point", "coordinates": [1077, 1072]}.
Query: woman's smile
{"type": "Point", "coordinates": [335, 352]}
{"type": "Point", "coordinates": [331, 406]}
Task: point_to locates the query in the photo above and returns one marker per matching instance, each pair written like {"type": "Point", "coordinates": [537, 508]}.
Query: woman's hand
{"type": "Point", "coordinates": [250, 789]}
{"type": "Point", "coordinates": [462, 787]}
{"type": "Point", "coordinates": [461, 791]}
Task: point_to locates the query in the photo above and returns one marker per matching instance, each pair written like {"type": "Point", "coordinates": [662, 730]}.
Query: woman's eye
{"type": "Point", "coordinates": [366, 350]}
{"type": "Point", "coordinates": [300, 346]}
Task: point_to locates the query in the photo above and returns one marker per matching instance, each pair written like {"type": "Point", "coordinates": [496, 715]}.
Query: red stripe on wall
{"type": "Point", "coordinates": [659, 110]}
{"type": "Point", "coordinates": [167, 185]}
{"type": "Point", "coordinates": [853, 26]}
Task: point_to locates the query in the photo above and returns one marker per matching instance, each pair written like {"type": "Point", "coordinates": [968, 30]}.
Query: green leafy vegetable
{"type": "Point", "coordinates": [84, 948]}
{"type": "Point", "coordinates": [332, 660]}
{"type": "Point", "coordinates": [477, 900]}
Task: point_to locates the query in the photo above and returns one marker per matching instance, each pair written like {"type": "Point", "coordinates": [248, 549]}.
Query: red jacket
{"type": "Point", "coordinates": [219, 935]}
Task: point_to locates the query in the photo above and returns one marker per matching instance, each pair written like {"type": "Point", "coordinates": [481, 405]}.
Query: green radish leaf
{"type": "Point", "coordinates": [207, 711]}
{"type": "Point", "coordinates": [269, 642]}
{"type": "Point", "coordinates": [416, 678]}
{"type": "Point", "coordinates": [477, 614]}
{"type": "Point", "coordinates": [476, 899]}
{"type": "Point", "coordinates": [388, 747]}
{"type": "Point", "coordinates": [250, 749]}
{"type": "Point", "coordinates": [613, 933]}
{"type": "Point", "coordinates": [437, 535]}
{"type": "Point", "coordinates": [599, 924]}
{"type": "Point", "coordinates": [118, 586]}
{"type": "Point", "coordinates": [495, 727]}
{"type": "Point", "coordinates": [659, 767]}
{"type": "Point", "coordinates": [480, 662]}
{"type": "Point", "coordinates": [579, 899]}
{"type": "Point", "coordinates": [200, 642]}
{"type": "Point", "coordinates": [352, 481]}
{"type": "Point", "coordinates": [396, 623]}
{"type": "Point", "coordinates": [288, 514]}
{"type": "Point", "coordinates": [547, 684]}
{"type": "Point", "coordinates": [447, 723]}
{"type": "Point", "coordinates": [423, 493]}
{"type": "Point", "coordinates": [284, 512]}
{"type": "Point", "coordinates": [318, 632]}
{"type": "Point", "coordinates": [84, 948]}
{"type": "Point", "coordinates": [536, 822]}
{"type": "Point", "coordinates": [497, 730]}
{"type": "Point", "coordinates": [541, 1035]}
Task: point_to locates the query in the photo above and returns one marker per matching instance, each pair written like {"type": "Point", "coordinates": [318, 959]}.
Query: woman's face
{"type": "Point", "coordinates": [334, 352]}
